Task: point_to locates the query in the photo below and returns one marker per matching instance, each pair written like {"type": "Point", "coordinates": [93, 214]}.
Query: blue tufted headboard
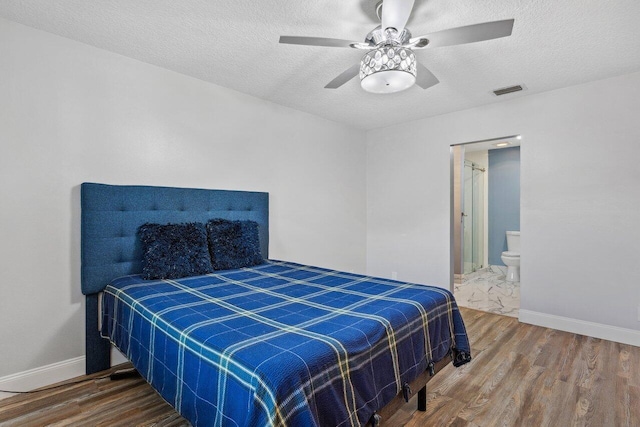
{"type": "Point", "coordinates": [111, 215]}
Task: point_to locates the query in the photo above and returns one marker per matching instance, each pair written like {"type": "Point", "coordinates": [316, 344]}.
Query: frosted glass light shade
{"type": "Point", "coordinates": [388, 69]}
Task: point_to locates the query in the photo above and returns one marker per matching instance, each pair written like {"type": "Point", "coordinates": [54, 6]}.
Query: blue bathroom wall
{"type": "Point", "coordinates": [504, 199]}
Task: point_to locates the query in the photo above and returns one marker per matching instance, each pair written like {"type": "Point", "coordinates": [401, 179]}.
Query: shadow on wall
{"type": "Point", "coordinates": [76, 296]}
{"type": "Point", "coordinates": [504, 199]}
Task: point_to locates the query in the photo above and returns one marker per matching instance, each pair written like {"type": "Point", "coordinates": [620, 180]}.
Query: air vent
{"type": "Point", "coordinates": [506, 90]}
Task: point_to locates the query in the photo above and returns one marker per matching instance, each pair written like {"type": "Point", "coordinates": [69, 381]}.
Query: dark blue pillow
{"type": "Point", "coordinates": [233, 244]}
{"type": "Point", "coordinates": [170, 251]}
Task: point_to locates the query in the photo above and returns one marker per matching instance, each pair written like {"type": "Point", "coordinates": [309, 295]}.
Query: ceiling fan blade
{"type": "Point", "coordinates": [425, 78]}
{"type": "Point", "coordinates": [467, 34]}
{"type": "Point", "coordinates": [395, 13]}
{"type": "Point", "coordinates": [317, 41]}
{"type": "Point", "coordinates": [344, 77]}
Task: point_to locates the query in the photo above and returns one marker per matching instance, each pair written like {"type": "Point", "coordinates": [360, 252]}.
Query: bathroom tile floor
{"type": "Point", "coordinates": [488, 290]}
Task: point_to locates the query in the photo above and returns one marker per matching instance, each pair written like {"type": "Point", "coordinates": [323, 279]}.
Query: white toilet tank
{"type": "Point", "coordinates": [513, 241]}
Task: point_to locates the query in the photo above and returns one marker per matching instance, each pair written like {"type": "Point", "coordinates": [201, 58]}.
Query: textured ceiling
{"type": "Point", "coordinates": [235, 44]}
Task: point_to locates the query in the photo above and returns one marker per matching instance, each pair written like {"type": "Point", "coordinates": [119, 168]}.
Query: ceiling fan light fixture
{"type": "Point", "coordinates": [388, 69]}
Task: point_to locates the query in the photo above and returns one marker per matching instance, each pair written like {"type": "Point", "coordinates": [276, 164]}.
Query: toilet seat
{"type": "Point", "coordinates": [511, 254]}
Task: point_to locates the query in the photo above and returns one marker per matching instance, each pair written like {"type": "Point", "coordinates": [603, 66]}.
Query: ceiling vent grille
{"type": "Point", "coordinates": [506, 90]}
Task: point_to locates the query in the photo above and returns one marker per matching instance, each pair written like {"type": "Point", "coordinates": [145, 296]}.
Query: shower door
{"type": "Point", "coordinates": [473, 217]}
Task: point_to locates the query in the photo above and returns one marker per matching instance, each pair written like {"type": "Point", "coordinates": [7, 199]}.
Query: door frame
{"type": "Point", "coordinates": [452, 211]}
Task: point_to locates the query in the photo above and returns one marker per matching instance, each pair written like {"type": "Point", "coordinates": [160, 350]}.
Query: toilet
{"type": "Point", "coordinates": [511, 257]}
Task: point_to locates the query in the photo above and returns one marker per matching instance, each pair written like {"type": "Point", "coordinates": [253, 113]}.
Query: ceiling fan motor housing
{"type": "Point", "coordinates": [378, 36]}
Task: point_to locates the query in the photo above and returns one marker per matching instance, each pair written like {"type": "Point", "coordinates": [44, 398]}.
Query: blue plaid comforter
{"type": "Point", "coordinates": [281, 343]}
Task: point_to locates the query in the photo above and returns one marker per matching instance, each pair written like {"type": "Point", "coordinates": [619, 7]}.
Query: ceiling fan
{"type": "Point", "coordinates": [390, 64]}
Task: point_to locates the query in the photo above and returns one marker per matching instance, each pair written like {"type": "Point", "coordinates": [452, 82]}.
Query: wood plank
{"type": "Point", "coordinates": [31, 405]}
{"type": "Point", "coordinates": [538, 407]}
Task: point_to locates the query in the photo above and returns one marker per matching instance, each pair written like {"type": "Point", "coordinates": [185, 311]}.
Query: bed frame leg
{"type": "Point", "coordinates": [97, 348]}
{"type": "Point", "coordinates": [422, 399]}
{"type": "Point", "coordinates": [375, 420]}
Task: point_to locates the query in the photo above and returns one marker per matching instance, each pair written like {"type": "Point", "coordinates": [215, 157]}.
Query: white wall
{"type": "Point", "coordinates": [71, 113]}
{"type": "Point", "coordinates": [580, 199]}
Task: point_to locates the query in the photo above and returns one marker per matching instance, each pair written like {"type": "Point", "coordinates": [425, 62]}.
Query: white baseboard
{"type": "Point", "coordinates": [581, 327]}
{"type": "Point", "coordinates": [42, 376]}
{"type": "Point", "coordinates": [50, 374]}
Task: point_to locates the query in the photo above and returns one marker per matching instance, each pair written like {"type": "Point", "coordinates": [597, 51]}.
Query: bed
{"type": "Point", "coordinates": [272, 344]}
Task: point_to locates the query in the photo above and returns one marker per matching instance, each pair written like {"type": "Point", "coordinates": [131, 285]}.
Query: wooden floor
{"type": "Point", "coordinates": [521, 375]}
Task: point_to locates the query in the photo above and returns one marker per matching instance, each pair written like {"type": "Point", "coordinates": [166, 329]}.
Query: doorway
{"type": "Point", "coordinates": [485, 209]}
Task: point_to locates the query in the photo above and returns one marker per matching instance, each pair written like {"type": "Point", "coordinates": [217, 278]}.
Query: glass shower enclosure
{"type": "Point", "coordinates": [473, 217]}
